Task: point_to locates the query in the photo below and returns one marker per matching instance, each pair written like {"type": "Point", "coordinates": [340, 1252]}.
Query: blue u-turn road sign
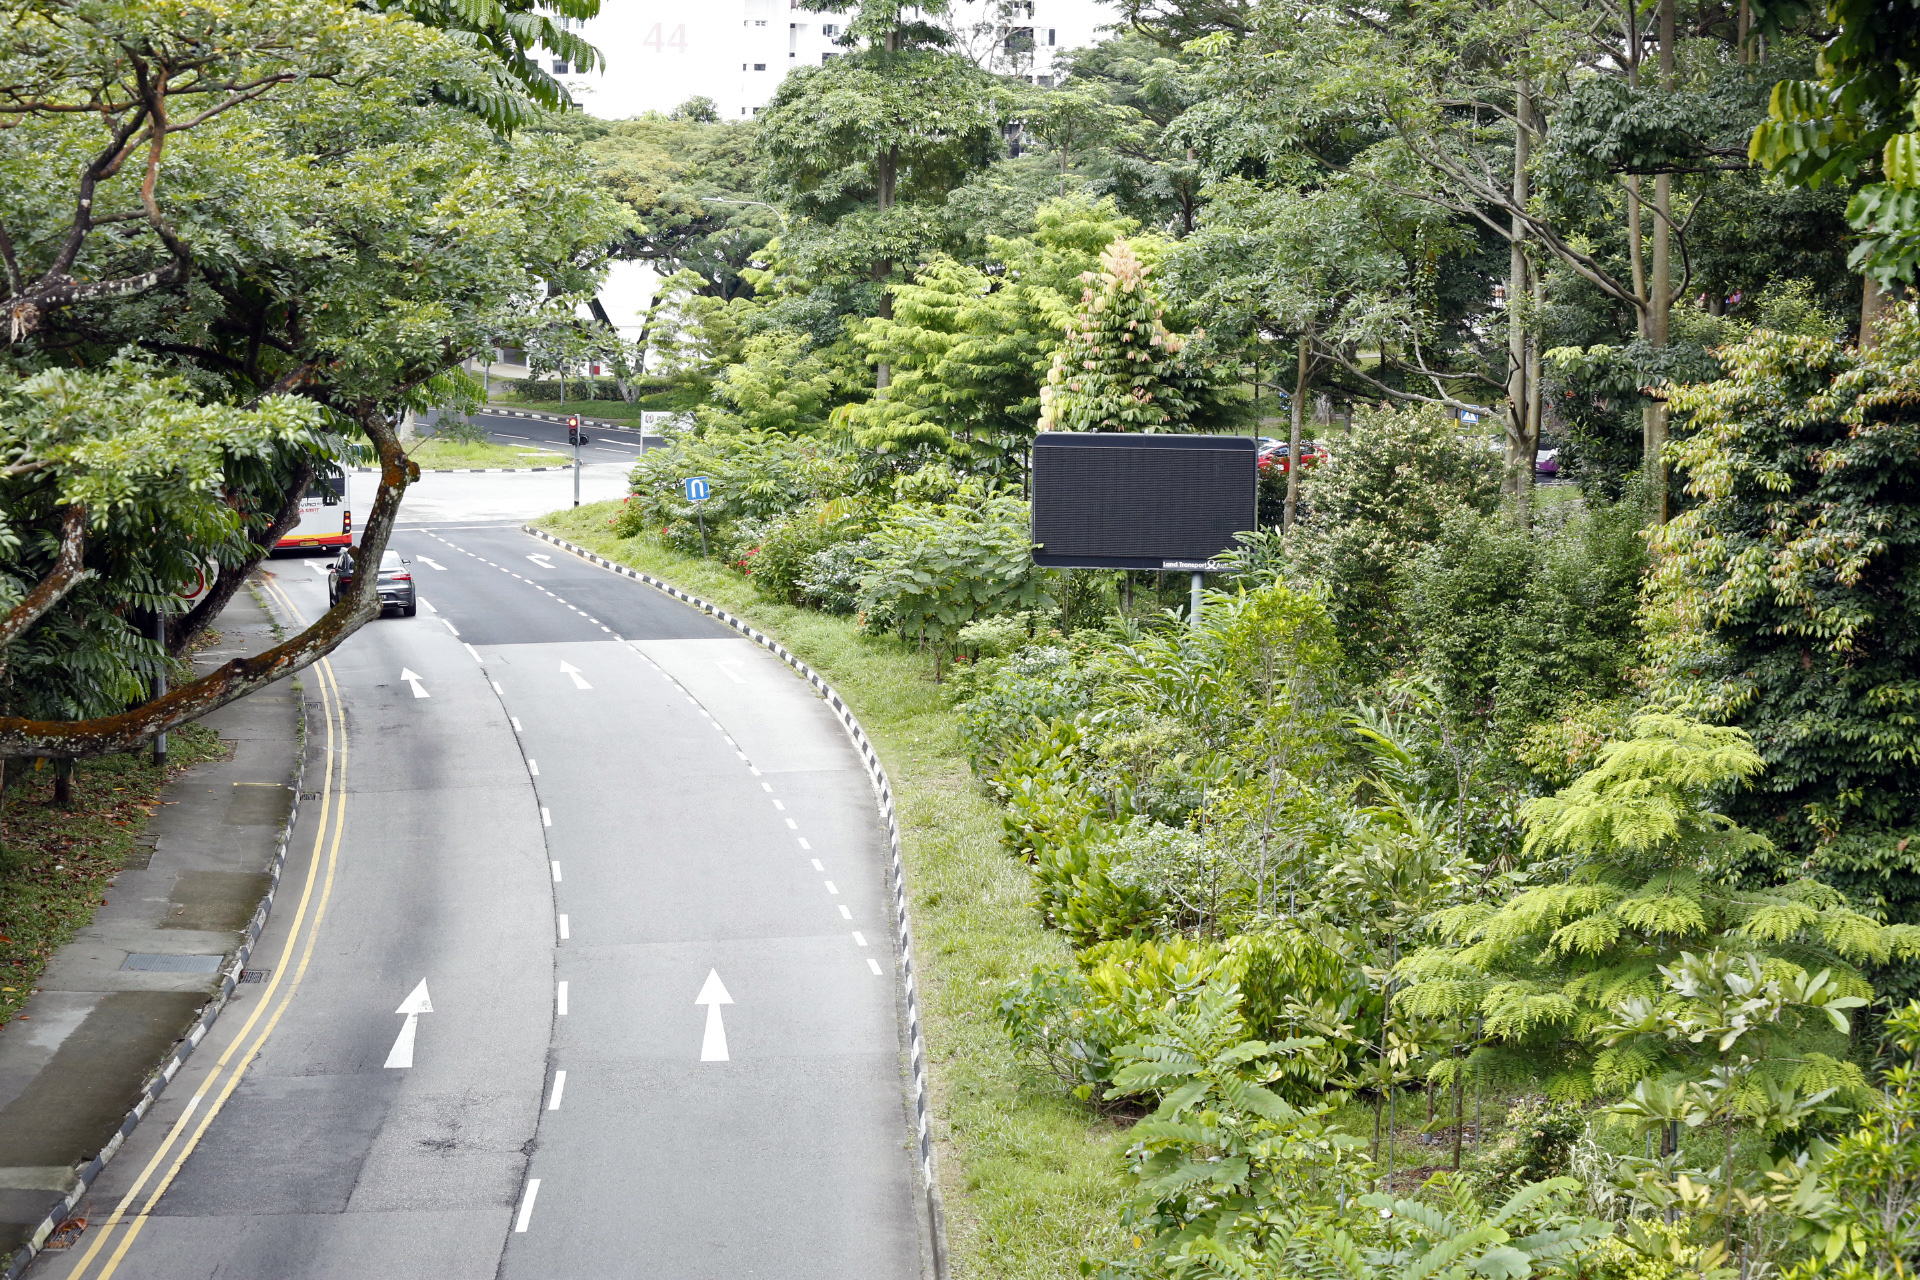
{"type": "Point", "coordinates": [698, 490]}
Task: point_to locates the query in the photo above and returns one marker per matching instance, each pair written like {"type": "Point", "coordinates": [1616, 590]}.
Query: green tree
{"type": "Point", "coordinates": [865, 147]}
{"type": "Point", "coordinates": [1644, 868]}
{"type": "Point", "coordinates": [1781, 596]}
{"type": "Point", "coordinates": [969, 344]}
{"type": "Point", "coordinates": [511, 35]}
{"type": "Point", "coordinates": [1120, 367]}
{"type": "Point", "coordinates": [689, 183]}
{"type": "Point", "coordinates": [933, 570]}
{"type": "Point", "coordinates": [1856, 114]}
{"type": "Point", "coordinates": [219, 218]}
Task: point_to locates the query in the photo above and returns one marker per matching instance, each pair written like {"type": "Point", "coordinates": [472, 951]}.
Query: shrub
{"type": "Point", "coordinates": [830, 580]}
{"type": "Point", "coordinates": [1003, 702]}
{"type": "Point", "coordinates": [570, 389]}
{"type": "Point", "coordinates": [935, 569]}
{"type": "Point", "coordinates": [1383, 494]}
{"type": "Point", "coordinates": [755, 477]}
{"type": "Point", "coordinates": [786, 547]}
{"type": "Point", "coordinates": [1506, 623]}
{"type": "Point", "coordinates": [1186, 872]}
{"type": "Point", "coordinates": [1534, 1142]}
{"type": "Point", "coordinates": [1069, 1020]}
{"type": "Point", "coordinates": [1053, 821]}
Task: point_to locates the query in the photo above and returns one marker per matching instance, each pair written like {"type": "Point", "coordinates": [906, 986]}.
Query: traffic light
{"type": "Point", "coordinates": [573, 430]}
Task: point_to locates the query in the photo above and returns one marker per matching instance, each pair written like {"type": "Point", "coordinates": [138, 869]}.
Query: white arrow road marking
{"type": "Point", "coordinates": [540, 558]}
{"type": "Point", "coordinates": [579, 681]}
{"type": "Point", "coordinates": [401, 1055]}
{"type": "Point", "coordinates": [713, 994]}
{"type": "Point", "coordinates": [431, 564]}
{"type": "Point", "coordinates": [419, 690]}
{"type": "Point", "coordinates": [320, 569]}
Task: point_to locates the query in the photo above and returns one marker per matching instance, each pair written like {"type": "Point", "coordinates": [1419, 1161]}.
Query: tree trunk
{"type": "Point", "coordinates": [1522, 432]}
{"type": "Point", "coordinates": [1873, 304]}
{"type": "Point", "coordinates": [1660, 287]}
{"type": "Point", "coordinates": [888, 166]}
{"type": "Point", "coordinates": [20, 736]}
{"type": "Point", "coordinates": [182, 631]}
{"type": "Point", "coordinates": [1296, 419]}
{"type": "Point", "coordinates": [886, 177]}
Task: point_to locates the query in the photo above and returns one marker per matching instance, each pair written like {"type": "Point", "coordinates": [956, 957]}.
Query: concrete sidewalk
{"type": "Point", "coordinates": [124, 1003]}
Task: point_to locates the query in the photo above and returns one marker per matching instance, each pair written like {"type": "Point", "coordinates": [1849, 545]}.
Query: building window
{"type": "Point", "coordinates": [559, 67]}
{"type": "Point", "coordinates": [743, 66]}
{"type": "Point", "coordinates": [1046, 82]}
{"type": "Point", "coordinates": [759, 22]}
{"type": "Point", "coordinates": [1050, 35]}
{"type": "Point", "coordinates": [759, 66]}
{"type": "Point", "coordinates": [829, 28]}
{"type": "Point", "coordinates": [828, 57]}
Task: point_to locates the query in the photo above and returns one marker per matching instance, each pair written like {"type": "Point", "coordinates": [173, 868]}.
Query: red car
{"type": "Point", "coordinates": [1273, 455]}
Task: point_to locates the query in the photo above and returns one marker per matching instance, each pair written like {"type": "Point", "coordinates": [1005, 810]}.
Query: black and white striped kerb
{"type": "Point", "coordinates": [465, 471]}
{"type": "Point", "coordinates": [896, 868]}
{"type": "Point", "coordinates": [602, 423]}
{"type": "Point", "coordinates": [183, 1049]}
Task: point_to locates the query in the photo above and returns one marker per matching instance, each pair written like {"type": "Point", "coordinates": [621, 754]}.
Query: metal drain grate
{"type": "Point", "coordinates": [254, 975]}
{"type": "Point", "coordinates": [151, 963]}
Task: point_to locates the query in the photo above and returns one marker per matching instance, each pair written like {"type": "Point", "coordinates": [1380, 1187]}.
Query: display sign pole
{"type": "Point", "coordinates": [1193, 599]}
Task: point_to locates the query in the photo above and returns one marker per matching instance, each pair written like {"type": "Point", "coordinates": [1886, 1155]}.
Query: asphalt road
{"type": "Point", "coordinates": [571, 807]}
{"type": "Point", "coordinates": [605, 444]}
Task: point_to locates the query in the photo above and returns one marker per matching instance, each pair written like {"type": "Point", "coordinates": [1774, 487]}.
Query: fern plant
{"type": "Point", "coordinates": [1642, 862]}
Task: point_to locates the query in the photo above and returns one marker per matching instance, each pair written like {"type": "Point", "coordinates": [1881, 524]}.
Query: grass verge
{"type": "Point", "coordinates": [443, 455]}
{"type": "Point", "coordinates": [56, 864]}
{"type": "Point", "coordinates": [1032, 1181]}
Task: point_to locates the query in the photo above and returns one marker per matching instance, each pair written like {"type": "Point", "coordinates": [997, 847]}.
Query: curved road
{"type": "Point", "coordinates": [604, 444]}
{"type": "Point", "coordinates": [542, 820]}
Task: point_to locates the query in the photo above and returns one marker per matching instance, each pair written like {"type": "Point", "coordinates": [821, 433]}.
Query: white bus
{"type": "Point", "coordinates": [324, 518]}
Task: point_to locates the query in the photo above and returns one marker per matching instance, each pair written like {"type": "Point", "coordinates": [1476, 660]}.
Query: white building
{"type": "Point", "coordinates": [736, 52]}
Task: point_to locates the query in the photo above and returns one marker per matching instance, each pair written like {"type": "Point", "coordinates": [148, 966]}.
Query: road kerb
{"type": "Point", "coordinates": [183, 1049]}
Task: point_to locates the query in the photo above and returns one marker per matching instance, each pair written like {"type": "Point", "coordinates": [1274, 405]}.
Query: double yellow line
{"type": "Point", "coordinates": [125, 1223]}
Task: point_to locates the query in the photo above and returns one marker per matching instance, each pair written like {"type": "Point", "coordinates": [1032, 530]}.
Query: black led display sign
{"type": "Point", "coordinates": [1112, 501]}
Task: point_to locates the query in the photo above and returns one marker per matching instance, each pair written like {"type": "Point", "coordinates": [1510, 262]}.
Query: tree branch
{"type": "Point", "coordinates": [67, 573]}
{"type": "Point", "coordinates": [196, 620]}
{"type": "Point", "coordinates": [20, 736]}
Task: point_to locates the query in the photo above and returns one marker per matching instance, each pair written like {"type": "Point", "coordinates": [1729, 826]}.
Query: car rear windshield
{"type": "Point", "coordinates": [389, 560]}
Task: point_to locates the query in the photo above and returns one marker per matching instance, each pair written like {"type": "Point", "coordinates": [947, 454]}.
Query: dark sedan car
{"type": "Point", "coordinates": [396, 581]}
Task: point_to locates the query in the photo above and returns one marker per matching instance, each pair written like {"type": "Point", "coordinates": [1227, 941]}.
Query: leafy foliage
{"type": "Point", "coordinates": [1781, 594]}
{"type": "Point", "coordinates": [1120, 368]}
{"type": "Point", "coordinates": [933, 570]}
{"type": "Point", "coordinates": [1553, 968]}
{"type": "Point", "coordinates": [1856, 113]}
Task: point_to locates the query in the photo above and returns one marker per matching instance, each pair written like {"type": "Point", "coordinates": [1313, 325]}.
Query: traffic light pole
{"type": "Point", "coordinates": [573, 437]}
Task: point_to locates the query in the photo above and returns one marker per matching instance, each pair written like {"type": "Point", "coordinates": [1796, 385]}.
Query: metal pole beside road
{"type": "Point", "coordinates": [573, 435]}
{"type": "Point", "coordinates": [1193, 598]}
{"type": "Point", "coordinates": [160, 683]}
